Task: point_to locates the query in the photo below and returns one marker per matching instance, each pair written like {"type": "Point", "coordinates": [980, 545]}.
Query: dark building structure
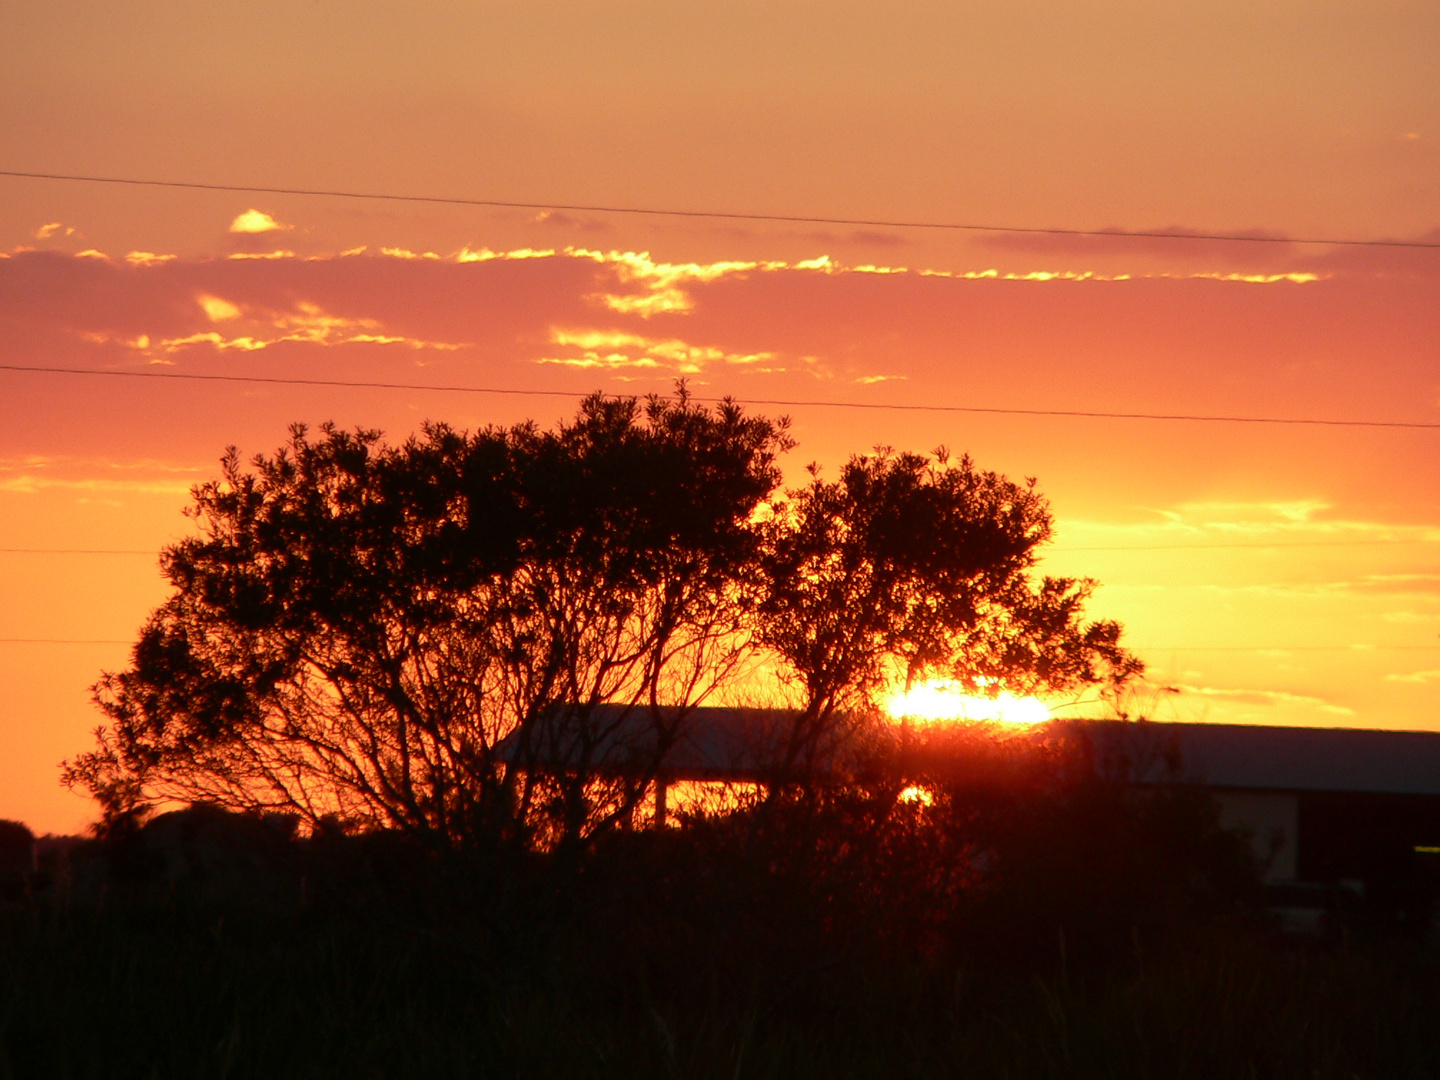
{"type": "Point", "coordinates": [1350, 811]}
{"type": "Point", "coordinates": [1329, 811]}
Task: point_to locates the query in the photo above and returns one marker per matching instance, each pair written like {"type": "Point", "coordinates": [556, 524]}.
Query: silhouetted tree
{"type": "Point", "coordinates": [910, 567]}
{"type": "Point", "coordinates": [17, 847]}
{"type": "Point", "coordinates": [391, 635]}
{"type": "Point", "coordinates": [502, 634]}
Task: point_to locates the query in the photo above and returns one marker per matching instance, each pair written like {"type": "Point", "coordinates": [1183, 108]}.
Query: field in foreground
{"type": "Point", "coordinates": [1065, 928]}
{"type": "Point", "coordinates": [169, 994]}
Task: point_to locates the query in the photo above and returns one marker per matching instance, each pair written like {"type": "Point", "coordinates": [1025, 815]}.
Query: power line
{"type": "Point", "coordinates": [781, 402]}
{"type": "Point", "coordinates": [1358, 650]}
{"type": "Point", "coordinates": [63, 641]}
{"type": "Point", "coordinates": [1048, 551]}
{"type": "Point", "coordinates": [1135, 648]}
{"type": "Point", "coordinates": [1258, 545]}
{"type": "Point", "coordinates": [75, 551]}
{"type": "Point", "coordinates": [718, 214]}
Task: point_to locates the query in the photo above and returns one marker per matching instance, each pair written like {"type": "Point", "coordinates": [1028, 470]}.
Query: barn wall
{"type": "Point", "coordinates": [1272, 822]}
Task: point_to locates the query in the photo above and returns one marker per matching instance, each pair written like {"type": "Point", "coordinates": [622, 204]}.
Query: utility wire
{"type": "Point", "coordinates": [1257, 545]}
{"type": "Point", "coordinates": [75, 551]}
{"type": "Point", "coordinates": [718, 214]}
{"type": "Point", "coordinates": [62, 641]}
{"type": "Point", "coordinates": [782, 402]}
{"type": "Point", "coordinates": [1135, 648]}
{"type": "Point", "coordinates": [1047, 551]}
{"type": "Point", "coordinates": [1283, 648]}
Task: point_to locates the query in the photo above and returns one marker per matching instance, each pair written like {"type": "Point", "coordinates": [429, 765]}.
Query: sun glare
{"type": "Point", "coordinates": [941, 699]}
{"type": "Point", "coordinates": [916, 794]}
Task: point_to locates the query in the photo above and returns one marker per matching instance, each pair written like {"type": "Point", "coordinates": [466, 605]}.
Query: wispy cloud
{"type": "Point", "coordinates": [661, 284]}
{"type": "Point", "coordinates": [564, 220]}
{"type": "Point", "coordinates": [1266, 698]}
{"type": "Point", "coordinates": [1282, 521]}
{"type": "Point", "coordinates": [1246, 514]}
{"type": "Point", "coordinates": [618, 349]}
{"type": "Point", "coordinates": [29, 484]}
{"type": "Point", "coordinates": [306, 323]}
{"type": "Point", "coordinates": [484, 254]}
{"type": "Point", "coordinates": [1395, 584]}
{"type": "Point", "coordinates": [1293, 277]}
{"type": "Point", "coordinates": [31, 463]}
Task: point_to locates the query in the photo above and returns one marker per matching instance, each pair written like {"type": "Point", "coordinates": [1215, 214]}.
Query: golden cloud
{"type": "Point", "coordinates": [596, 360]}
{"type": "Point", "coordinates": [614, 349]}
{"type": "Point", "coordinates": [484, 254]}
{"type": "Point", "coordinates": [597, 339]}
{"type": "Point", "coordinates": [661, 281]}
{"type": "Point", "coordinates": [217, 310]}
{"type": "Point", "coordinates": [647, 304]}
{"type": "Point", "coordinates": [256, 221]}
{"type": "Point", "coordinates": [307, 323]}
{"type": "Point", "coordinates": [1264, 279]}
{"type": "Point", "coordinates": [210, 337]}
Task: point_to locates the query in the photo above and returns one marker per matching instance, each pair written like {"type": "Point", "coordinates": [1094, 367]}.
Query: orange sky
{"type": "Point", "coordinates": [1280, 119]}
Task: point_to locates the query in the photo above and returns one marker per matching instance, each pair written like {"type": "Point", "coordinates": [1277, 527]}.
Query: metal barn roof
{"type": "Point", "coordinates": [733, 743]}
{"type": "Point", "coordinates": [1293, 758]}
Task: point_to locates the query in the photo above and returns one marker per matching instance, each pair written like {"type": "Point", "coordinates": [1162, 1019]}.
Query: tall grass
{"type": "Point", "coordinates": [1033, 922]}
{"type": "Point", "coordinates": [119, 994]}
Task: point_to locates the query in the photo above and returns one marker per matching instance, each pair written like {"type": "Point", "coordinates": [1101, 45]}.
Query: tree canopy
{"type": "Point", "coordinates": [387, 636]}
{"type": "Point", "coordinates": [911, 567]}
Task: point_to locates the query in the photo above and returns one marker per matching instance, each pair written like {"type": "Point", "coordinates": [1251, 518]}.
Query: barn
{"type": "Point", "coordinates": [1330, 811]}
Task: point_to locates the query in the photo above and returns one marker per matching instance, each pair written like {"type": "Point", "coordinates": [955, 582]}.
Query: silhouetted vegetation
{"type": "Point", "coordinates": [411, 638]}
{"type": "Point", "coordinates": [1036, 919]}
{"type": "Point", "coordinates": [120, 997]}
{"type": "Point", "coordinates": [415, 698]}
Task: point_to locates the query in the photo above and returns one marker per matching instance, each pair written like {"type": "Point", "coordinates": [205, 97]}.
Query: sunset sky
{"type": "Point", "coordinates": [1271, 573]}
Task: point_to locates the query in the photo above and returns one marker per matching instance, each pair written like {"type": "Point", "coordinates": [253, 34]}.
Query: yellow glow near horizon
{"type": "Point", "coordinates": [942, 699]}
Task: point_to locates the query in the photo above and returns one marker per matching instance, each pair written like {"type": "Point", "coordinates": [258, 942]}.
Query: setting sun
{"type": "Point", "coordinates": [942, 699]}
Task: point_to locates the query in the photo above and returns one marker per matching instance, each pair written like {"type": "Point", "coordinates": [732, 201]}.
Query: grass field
{"type": "Point", "coordinates": [1069, 932]}
{"type": "Point", "coordinates": [169, 993]}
